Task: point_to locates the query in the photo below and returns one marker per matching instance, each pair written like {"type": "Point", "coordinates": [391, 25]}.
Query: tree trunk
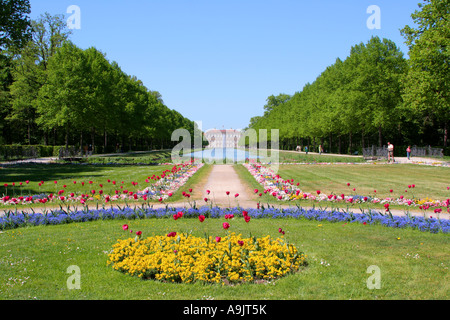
{"type": "Point", "coordinates": [362, 140]}
{"type": "Point", "coordinates": [350, 143]}
{"type": "Point", "coordinates": [380, 137]}
{"type": "Point", "coordinates": [340, 144]}
{"type": "Point", "coordinates": [105, 140]}
{"type": "Point", "coordinates": [445, 134]}
{"type": "Point", "coordinates": [93, 139]}
{"type": "Point", "coordinates": [330, 143]}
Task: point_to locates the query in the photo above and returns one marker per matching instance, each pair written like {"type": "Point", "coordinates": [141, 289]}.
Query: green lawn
{"type": "Point", "coordinates": [68, 174]}
{"type": "Point", "coordinates": [431, 182]}
{"type": "Point", "coordinates": [412, 264]}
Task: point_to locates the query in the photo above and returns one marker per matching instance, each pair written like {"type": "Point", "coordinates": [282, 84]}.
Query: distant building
{"type": "Point", "coordinates": [227, 138]}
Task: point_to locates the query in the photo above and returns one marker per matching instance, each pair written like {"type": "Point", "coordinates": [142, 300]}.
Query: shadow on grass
{"type": "Point", "coordinates": [47, 172]}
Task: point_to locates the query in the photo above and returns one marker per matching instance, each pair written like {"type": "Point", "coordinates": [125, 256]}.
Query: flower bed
{"type": "Point", "coordinates": [22, 219]}
{"type": "Point", "coordinates": [185, 258]}
{"type": "Point", "coordinates": [286, 190]}
{"type": "Point", "coordinates": [166, 183]}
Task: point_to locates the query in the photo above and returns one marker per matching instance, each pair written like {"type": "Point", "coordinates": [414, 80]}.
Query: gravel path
{"type": "Point", "coordinates": [223, 179]}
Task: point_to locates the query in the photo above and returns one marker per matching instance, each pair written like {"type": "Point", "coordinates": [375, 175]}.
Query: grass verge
{"type": "Point", "coordinates": [413, 265]}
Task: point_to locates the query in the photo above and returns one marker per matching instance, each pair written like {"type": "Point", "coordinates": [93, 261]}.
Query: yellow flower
{"type": "Point", "coordinates": [188, 259]}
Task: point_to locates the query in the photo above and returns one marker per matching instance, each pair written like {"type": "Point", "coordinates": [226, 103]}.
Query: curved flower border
{"type": "Point", "coordinates": [286, 190]}
{"type": "Point", "coordinates": [168, 182]}
{"type": "Point", "coordinates": [23, 219]}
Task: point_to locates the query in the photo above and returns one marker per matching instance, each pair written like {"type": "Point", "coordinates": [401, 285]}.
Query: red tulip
{"type": "Point", "coordinates": [247, 219]}
{"type": "Point", "coordinates": [241, 243]}
{"type": "Point", "coordinates": [226, 225]}
{"type": "Point", "coordinates": [201, 218]}
{"type": "Point", "coordinates": [228, 193]}
{"type": "Point", "coordinates": [125, 227]}
{"type": "Point", "coordinates": [218, 239]}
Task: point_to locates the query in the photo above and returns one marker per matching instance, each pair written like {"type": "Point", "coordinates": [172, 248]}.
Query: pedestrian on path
{"type": "Point", "coordinates": [408, 152]}
{"type": "Point", "coordinates": [390, 152]}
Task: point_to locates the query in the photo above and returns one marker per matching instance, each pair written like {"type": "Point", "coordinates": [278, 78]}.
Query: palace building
{"type": "Point", "coordinates": [227, 138]}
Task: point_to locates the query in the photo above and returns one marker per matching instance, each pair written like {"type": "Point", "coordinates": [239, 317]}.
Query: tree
{"type": "Point", "coordinates": [375, 72]}
{"type": "Point", "coordinates": [15, 28]}
{"type": "Point", "coordinates": [274, 101]}
{"type": "Point", "coordinates": [64, 99]}
{"type": "Point", "coordinates": [30, 70]}
{"type": "Point", "coordinates": [426, 84]}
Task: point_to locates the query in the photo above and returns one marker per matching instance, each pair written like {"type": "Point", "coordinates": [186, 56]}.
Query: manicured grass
{"type": "Point", "coordinates": [68, 174]}
{"type": "Point", "coordinates": [413, 264]}
{"type": "Point", "coordinates": [431, 182]}
{"type": "Point", "coordinates": [301, 157]}
{"type": "Point", "coordinates": [151, 157]}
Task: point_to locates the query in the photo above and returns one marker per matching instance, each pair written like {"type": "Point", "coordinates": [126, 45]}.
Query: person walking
{"type": "Point", "coordinates": [408, 152]}
{"type": "Point", "coordinates": [390, 152]}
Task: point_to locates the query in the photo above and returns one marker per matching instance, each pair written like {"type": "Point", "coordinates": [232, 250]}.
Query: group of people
{"type": "Point", "coordinates": [298, 149]}
{"type": "Point", "coordinates": [391, 152]}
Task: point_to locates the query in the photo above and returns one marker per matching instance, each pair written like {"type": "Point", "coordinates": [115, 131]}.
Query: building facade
{"type": "Point", "coordinates": [227, 138]}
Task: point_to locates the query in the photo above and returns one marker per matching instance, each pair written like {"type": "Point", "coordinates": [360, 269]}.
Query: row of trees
{"type": "Point", "coordinates": [375, 94]}
{"type": "Point", "coordinates": [56, 93]}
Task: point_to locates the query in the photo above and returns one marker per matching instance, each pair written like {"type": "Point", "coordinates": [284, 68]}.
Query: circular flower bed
{"type": "Point", "coordinates": [185, 258]}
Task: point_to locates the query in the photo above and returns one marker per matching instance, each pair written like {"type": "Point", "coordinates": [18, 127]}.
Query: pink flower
{"type": "Point", "coordinates": [208, 192]}
{"type": "Point", "coordinates": [218, 239]}
{"type": "Point", "coordinates": [171, 234]}
{"type": "Point", "coordinates": [241, 243]}
{"type": "Point", "coordinates": [236, 195]}
{"type": "Point", "coordinates": [228, 193]}
{"type": "Point", "coordinates": [256, 190]}
{"type": "Point", "coordinates": [226, 225]}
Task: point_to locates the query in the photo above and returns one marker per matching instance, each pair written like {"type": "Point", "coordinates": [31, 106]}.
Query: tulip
{"type": "Point", "coordinates": [125, 227]}
{"type": "Point", "coordinates": [226, 225]}
{"type": "Point", "coordinates": [201, 218]}
{"type": "Point", "coordinates": [218, 239]}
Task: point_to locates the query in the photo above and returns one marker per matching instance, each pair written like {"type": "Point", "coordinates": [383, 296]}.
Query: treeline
{"type": "Point", "coordinates": [375, 95]}
{"type": "Point", "coordinates": [55, 93]}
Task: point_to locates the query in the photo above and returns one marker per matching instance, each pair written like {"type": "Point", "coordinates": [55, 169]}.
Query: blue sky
{"type": "Point", "coordinates": [217, 61]}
